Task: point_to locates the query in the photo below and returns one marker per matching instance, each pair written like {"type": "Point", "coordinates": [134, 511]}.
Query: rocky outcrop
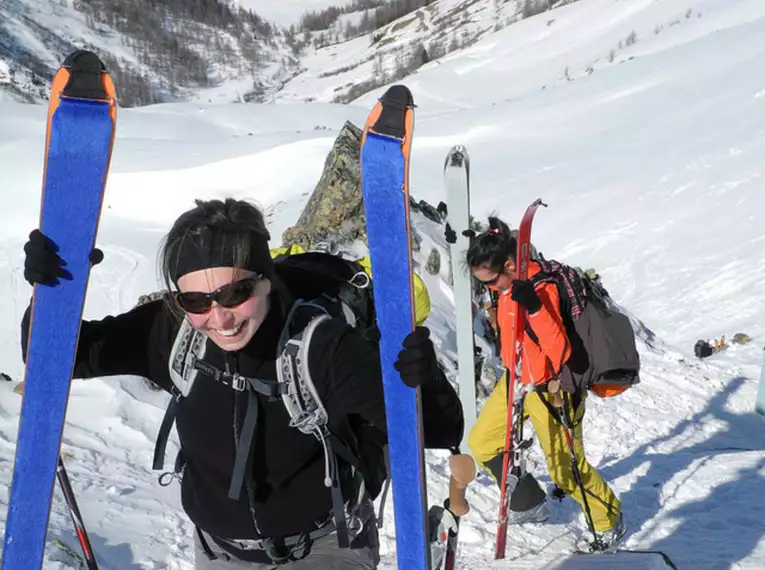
{"type": "Point", "coordinates": [335, 210]}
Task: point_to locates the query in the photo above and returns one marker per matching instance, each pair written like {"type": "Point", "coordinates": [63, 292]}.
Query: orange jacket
{"type": "Point", "coordinates": [540, 362]}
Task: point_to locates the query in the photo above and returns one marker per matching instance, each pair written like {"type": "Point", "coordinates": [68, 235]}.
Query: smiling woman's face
{"type": "Point", "coordinates": [230, 327]}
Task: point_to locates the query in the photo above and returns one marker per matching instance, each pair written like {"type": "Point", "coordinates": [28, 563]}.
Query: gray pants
{"type": "Point", "coordinates": [325, 555]}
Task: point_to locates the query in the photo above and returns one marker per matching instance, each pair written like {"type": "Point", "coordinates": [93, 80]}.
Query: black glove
{"type": "Point", "coordinates": [417, 363]}
{"type": "Point", "coordinates": [450, 234]}
{"type": "Point", "coordinates": [43, 265]}
{"type": "Point", "coordinates": [523, 293]}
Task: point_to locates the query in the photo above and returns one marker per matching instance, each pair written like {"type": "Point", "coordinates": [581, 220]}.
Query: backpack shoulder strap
{"type": "Point", "coordinates": [304, 406]}
{"type": "Point", "coordinates": [189, 345]}
{"type": "Point", "coordinates": [572, 289]}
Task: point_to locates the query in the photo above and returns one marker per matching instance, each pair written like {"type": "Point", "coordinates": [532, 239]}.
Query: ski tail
{"type": "Point", "coordinates": [510, 454]}
{"type": "Point", "coordinates": [78, 147]}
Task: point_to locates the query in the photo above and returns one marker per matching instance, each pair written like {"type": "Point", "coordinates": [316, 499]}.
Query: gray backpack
{"type": "Point", "coordinates": [604, 357]}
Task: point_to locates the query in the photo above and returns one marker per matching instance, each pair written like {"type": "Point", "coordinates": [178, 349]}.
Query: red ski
{"type": "Point", "coordinates": [511, 454]}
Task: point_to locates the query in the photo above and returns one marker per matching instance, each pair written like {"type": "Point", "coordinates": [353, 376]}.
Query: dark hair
{"type": "Point", "coordinates": [493, 247]}
{"type": "Point", "coordinates": [238, 220]}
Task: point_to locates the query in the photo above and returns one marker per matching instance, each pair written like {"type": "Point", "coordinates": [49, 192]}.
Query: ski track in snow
{"type": "Point", "coordinates": [651, 169]}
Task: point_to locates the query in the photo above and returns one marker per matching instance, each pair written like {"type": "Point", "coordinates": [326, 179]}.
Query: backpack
{"type": "Point", "coordinates": [604, 357]}
{"type": "Point", "coordinates": [323, 286]}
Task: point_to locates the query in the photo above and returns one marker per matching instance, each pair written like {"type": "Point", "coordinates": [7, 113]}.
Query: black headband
{"type": "Point", "coordinates": [209, 249]}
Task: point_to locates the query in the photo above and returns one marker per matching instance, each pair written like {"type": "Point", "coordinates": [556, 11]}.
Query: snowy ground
{"type": "Point", "coordinates": [651, 169]}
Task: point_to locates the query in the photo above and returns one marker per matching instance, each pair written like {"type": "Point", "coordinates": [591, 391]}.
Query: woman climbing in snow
{"type": "Point", "coordinates": [545, 351]}
{"type": "Point", "coordinates": [254, 486]}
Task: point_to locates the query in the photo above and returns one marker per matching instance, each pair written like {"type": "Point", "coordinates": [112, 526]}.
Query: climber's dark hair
{"type": "Point", "coordinates": [493, 247]}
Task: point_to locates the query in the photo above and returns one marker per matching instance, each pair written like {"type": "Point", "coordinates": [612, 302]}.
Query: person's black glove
{"type": "Point", "coordinates": [450, 234]}
{"type": "Point", "coordinates": [417, 363]}
{"type": "Point", "coordinates": [43, 265]}
{"type": "Point", "coordinates": [523, 293]}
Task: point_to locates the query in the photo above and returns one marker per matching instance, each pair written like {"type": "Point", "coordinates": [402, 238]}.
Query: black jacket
{"type": "Point", "coordinates": [288, 466]}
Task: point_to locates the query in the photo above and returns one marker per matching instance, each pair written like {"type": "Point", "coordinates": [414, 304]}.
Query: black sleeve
{"type": "Point", "coordinates": [114, 345]}
{"type": "Point", "coordinates": [351, 366]}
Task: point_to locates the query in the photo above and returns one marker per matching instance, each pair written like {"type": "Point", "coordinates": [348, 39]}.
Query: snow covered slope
{"type": "Point", "coordinates": [651, 166]}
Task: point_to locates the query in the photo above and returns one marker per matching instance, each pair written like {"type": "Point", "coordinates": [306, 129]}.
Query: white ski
{"type": "Point", "coordinates": [457, 181]}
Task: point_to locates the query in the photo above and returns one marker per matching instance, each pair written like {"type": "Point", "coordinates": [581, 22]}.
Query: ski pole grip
{"type": "Point", "coordinates": [556, 398]}
{"type": "Point", "coordinates": [463, 472]}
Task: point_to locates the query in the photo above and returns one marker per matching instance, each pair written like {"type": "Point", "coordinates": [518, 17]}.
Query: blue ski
{"type": "Point", "coordinates": [81, 126]}
{"type": "Point", "coordinates": [385, 149]}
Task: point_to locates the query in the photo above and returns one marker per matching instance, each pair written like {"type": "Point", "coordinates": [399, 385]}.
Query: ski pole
{"type": "Point", "coordinates": [71, 503]}
{"type": "Point", "coordinates": [74, 511]}
{"type": "Point", "coordinates": [444, 521]}
{"type": "Point", "coordinates": [568, 430]}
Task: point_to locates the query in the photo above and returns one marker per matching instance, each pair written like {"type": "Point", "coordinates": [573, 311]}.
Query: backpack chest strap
{"type": "Point", "coordinates": [238, 382]}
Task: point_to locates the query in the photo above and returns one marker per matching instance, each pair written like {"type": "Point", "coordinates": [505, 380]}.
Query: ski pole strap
{"type": "Point", "coordinates": [565, 415]}
{"type": "Point", "coordinates": [556, 413]}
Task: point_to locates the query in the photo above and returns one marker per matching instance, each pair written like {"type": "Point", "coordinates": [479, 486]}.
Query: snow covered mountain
{"type": "Point", "coordinates": [155, 51]}
{"type": "Point", "coordinates": [243, 50]}
{"type": "Point", "coordinates": [639, 122]}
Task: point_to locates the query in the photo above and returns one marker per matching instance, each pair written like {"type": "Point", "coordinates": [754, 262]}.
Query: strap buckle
{"type": "Point", "coordinates": [238, 382]}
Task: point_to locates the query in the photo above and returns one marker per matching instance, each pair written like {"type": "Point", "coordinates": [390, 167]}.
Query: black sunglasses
{"type": "Point", "coordinates": [490, 282]}
{"type": "Point", "coordinates": [228, 296]}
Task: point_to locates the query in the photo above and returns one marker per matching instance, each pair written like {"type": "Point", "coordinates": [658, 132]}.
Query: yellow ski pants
{"type": "Point", "coordinates": [487, 440]}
